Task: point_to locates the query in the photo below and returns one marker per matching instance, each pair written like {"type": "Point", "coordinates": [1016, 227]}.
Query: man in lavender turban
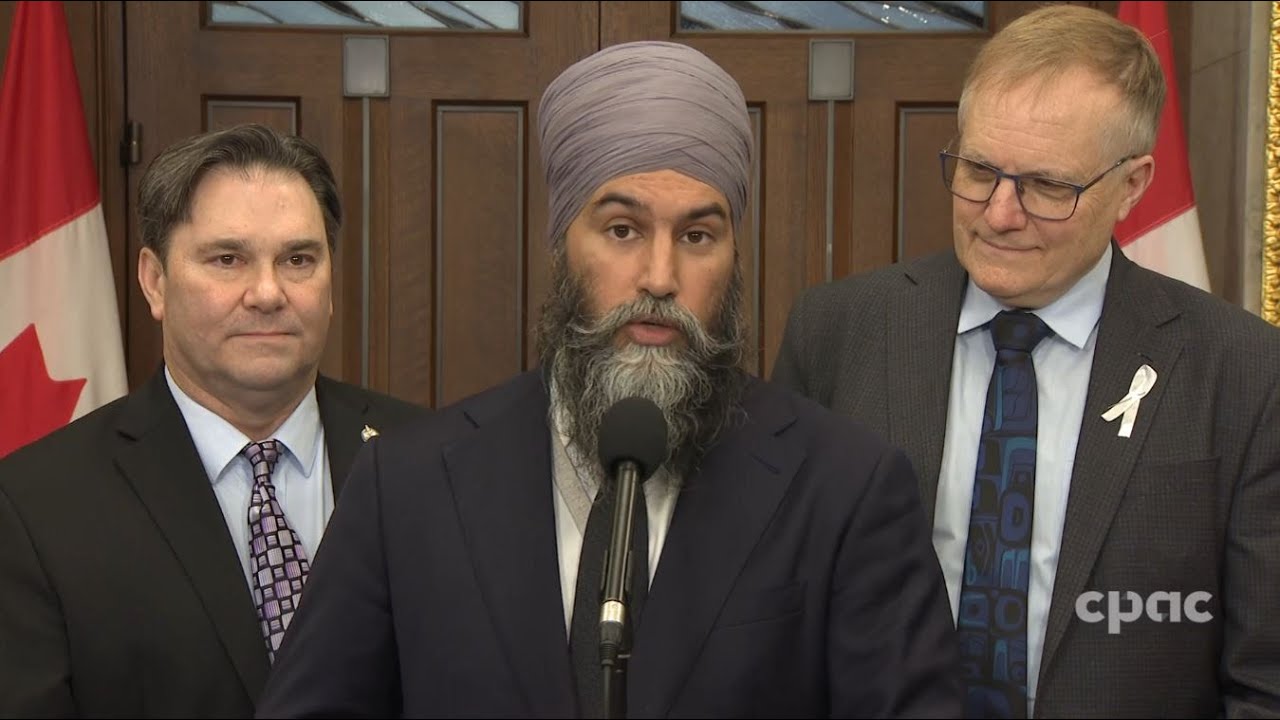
{"type": "Point", "coordinates": [780, 561]}
{"type": "Point", "coordinates": [647, 151]}
{"type": "Point", "coordinates": [669, 108]}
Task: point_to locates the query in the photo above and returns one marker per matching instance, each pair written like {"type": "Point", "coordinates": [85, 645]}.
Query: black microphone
{"type": "Point", "coordinates": [632, 445]}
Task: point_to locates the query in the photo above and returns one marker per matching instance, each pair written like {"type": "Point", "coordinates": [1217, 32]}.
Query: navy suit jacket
{"type": "Point", "coordinates": [797, 578]}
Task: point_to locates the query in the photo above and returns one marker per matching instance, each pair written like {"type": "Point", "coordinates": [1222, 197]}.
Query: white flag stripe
{"type": "Point", "coordinates": [1174, 249]}
{"type": "Point", "coordinates": [63, 283]}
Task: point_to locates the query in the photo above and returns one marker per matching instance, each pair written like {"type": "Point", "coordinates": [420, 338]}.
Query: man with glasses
{"type": "Point", "coordinates": [1098, 445]}
{"type": "Point", "coordinates": [1041, 197]}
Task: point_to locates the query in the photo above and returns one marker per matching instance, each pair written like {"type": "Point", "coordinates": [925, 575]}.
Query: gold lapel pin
{"type": "Point", "coordinates": [367, 433]}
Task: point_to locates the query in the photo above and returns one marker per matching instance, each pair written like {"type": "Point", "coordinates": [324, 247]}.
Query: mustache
{"type": "Point", "coordinates": [647, 309]}
{"type": "Point", "coordinates": [644, 309]}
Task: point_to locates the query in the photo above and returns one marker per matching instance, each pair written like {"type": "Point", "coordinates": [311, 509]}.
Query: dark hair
{"type": "Point", "coordinates": [164, 195]}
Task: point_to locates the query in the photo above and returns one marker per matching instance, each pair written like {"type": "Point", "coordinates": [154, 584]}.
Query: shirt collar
{"type": "Point", "coordinates": [1072, 317]}
{"type": "Point", "coordinates": [218, 442]}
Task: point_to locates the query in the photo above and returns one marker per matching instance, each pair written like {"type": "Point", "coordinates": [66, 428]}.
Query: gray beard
{"type": "Point", "coordinates": [697, 385]}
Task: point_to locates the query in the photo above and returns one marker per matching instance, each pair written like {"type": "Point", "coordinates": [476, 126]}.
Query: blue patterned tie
{"type": "Point", "coordinates": [992, 620]}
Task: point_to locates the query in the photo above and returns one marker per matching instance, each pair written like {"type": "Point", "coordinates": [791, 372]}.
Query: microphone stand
{"type": "Point", "coordinates": [615, 625]}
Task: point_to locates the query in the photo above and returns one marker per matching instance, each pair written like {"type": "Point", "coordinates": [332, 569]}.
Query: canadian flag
{"type": "Point", "coordinates": [1162, 232]}
{"type": "Point", "coordinates": [60, 346]}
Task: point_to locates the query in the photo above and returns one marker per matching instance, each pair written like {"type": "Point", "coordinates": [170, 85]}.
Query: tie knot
{"type": "Point", "coordinates": [1020, 331]}
{"type": "Point", "coordinates": [262, 456]}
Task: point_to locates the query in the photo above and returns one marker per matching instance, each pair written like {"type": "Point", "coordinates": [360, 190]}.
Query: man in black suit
{"type": "Point", "coordinates": [782, 565]}
{"type": "Point", "coordinates": [152, 552]}
{"type": "Point", "coordinates": [1120, 478]}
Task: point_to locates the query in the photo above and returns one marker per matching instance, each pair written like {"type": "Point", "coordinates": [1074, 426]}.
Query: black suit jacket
{"type": "Point", "coordinates": [1189, 503]}
{"type": "Point", "coordinates": [796, 580]}
{"type": "Point", "coordinates": [121, 594]}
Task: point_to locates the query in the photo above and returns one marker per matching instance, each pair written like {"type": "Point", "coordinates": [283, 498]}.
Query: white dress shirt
{"type": "Point", "coordinates": [301, 476]}
{"type": "Point", "coordinates": [1062, 363]}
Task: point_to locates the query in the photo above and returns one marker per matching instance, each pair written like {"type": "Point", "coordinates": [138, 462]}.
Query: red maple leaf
{"type": "Point", "coordinates": [32, 404]}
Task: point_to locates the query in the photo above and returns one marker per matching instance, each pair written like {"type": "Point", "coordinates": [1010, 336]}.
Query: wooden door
{"type": "Point", "coordinates": [844, 186]}
{"type": "Point", "coordinates": [457, 262]}
{"type": "Point", "coordinates": [456, 209]}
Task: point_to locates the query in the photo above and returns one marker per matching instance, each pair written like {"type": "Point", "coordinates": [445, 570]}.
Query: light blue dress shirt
{"type": "Point", "coordinates": [301, 477]}
{"type": "Point", "coordinates": [1062, 363]}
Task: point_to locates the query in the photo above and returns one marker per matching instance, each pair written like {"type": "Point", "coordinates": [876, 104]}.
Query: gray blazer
{"type": "Point", "coordinates": [1190, 502]}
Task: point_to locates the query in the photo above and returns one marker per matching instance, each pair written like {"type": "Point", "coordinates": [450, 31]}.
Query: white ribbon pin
{"type": "Point", "coordinates": [368, 433]}
{"type": "Point", "coordinates": [1143, 380]}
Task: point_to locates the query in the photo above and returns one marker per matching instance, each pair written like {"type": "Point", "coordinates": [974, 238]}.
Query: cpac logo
{"type": "Point", "coordinates": [1116, 615]}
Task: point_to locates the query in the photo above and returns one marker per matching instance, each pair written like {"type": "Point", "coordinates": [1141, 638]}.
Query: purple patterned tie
{"type": "Point", "coordinates": [277, 561]}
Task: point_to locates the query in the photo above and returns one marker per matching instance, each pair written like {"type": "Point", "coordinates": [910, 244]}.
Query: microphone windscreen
{"type": "Point", "coordinates": [633, 429]}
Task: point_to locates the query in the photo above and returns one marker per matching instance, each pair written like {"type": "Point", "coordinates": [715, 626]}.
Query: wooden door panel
{"type": "Point", "coordinates": [923, 218]}
{"type": "Point", "coordinates": [456, 205]}
{"type": "Point", "coordinates": [480, 301]}
{"type": "Point", "coordinates": [890, 81]}
{"type": "Point", "coordinates": [440, 347]}
{"type": "Point", "coordinates": [837, 176]}
{"type": "Point", "coordinates": [279, 113]}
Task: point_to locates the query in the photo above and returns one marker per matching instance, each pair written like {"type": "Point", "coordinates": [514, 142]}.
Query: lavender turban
{"type": "Point", "coordinates": [641, 107]}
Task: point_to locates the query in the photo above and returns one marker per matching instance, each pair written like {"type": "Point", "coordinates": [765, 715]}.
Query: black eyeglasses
{"type": "Point", "coordinates": [1040, 197]}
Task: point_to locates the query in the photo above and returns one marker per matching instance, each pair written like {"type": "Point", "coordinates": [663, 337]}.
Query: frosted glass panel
{"type": "Point", "coordinates": [699, 15]}
{"type": "Point", "coordinates": [462, 16]}
{"type": "Point", "coordinates": [293, 12]}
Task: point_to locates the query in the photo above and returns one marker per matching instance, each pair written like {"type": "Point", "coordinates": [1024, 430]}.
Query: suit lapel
{"type": "Point", "coordinates": [159, 459]}
{"type": "Point", "coordinates": [1130, 334]}
{"type": "Point", "coordinates": [501, 481]}
{"type": "Point", "coordinates": [343, 419]}
{"type": "Point", "coordinates": [717, 522]}
{"type": "Point", "coordinates": [919, 370]}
